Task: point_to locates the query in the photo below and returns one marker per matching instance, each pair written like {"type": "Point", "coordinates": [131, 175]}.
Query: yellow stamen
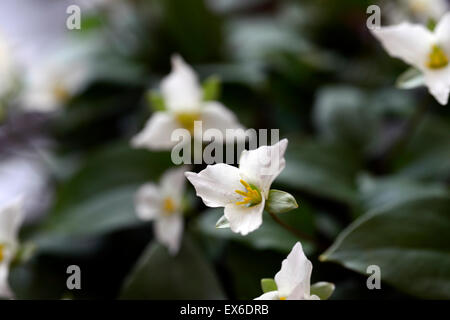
{"type": "Point", "coordinates": [2, 253]}
{"type": "Point", "coordinates": [437, 58]}
{"type": "Point", "coordinates": [168, 206]}
{"type": "Point", "coordinates": [60, 92]}
{"type": "Point", "coordinates": [282, 298]}
{"type": "Point", "coordinates": [187, 119]}
{"type": "Point", "coordinates": [251, 197]}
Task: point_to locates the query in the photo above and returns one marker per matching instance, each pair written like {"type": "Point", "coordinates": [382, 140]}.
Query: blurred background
{"type": "Point", "coordinates": [367, 162]}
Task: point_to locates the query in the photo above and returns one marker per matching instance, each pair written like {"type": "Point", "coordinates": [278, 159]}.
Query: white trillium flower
{"type": "Point", "coordinates": [10, 220]}
{"type": "Point", "coordinates": [241, 191]}
{"type": "Point", "coordinates": [427, 9]}
{"type": "Point", "coordinates": [183, 99]}
{"type": "Point", "coordinates": [49, 85]}
{"type": "Point", "coordinates": [25, 175]}
{"type": "Point", "coordinates": [163, 204]}
{"type": "Point", "coordinates": [294, 279]}
{"type": "Point", "coordinates": [428, 51]}
{"type": "Point", "coordinates": [420, 10]}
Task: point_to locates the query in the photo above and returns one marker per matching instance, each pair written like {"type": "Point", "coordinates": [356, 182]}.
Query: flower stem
{"type": "Point", "coordinates": [299, 234]}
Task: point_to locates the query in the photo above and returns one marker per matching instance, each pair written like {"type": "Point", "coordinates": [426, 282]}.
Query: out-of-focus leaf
{"type": "Point", "coordinates": [256, 38]}
{"type": "Point", "coordinates": [158, 275]}
{"type": "Point", "coordinates": [268, 284]}
{"type": "Point", "coordinates": [323, 290]}
{"type": "Point", "coordinates": [211, 88]}
{"type": "Point", "coordinates": [99, 197]}
{"type": "Point", "coordinates": [384, 193]}
{"type": "Point", "coordinates": [410, 79]}
{"type": "Point", "coordinates": [426, 153]}
{"type": "Point", "coordinates": [326, 170]}
{"type": "Point", "coordinates": [409, 242]}
{"type": "Point", "coordinates": [269, 236]}
{"type": "Point", "coordinates": [342, 114]}
{"type": "Point", "coordinates": [110, 210]}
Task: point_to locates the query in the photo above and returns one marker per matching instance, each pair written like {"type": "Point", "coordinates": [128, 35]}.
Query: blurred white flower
{"type": "Point", "coordinates": [10, 221]}
{"type": "Point", "coordinates": [428, 51]}
{"type": "Point", "coordinates": [242, 191]}
{"type": "Point", "coordinates": [294, 279]}
{"type": "Point", "coordinates": [24, 175]}
{"type": "Point", "coordinates": [51, 83]}
{"type": "Point", "coordinates": [183, 99]}
{"type": "Point", "coordinates": [418, 10]}
{"type": "Point", "coordinates": [163, 204]}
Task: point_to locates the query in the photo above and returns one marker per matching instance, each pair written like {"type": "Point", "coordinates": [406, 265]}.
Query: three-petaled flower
{"type": "Point", "coordinates": [428, 51]}
{"type": "Point", "coordinates": [185, 104]}
{"type": "Point", "coordinates": [163, 204]}
{"type": "Point", "coordinates": [294, 279]}
{"type": "Point", "coordinates": [241, 191]}
{"type": "Point", "coordinates": [11, 217]}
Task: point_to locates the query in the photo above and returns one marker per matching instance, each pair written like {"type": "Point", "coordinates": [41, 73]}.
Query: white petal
{"type": "Point", "coordinates": [409, 42]}
{"type": "Point", "coordinates": [181, 89]}
{"type": "Point", "coordinates": [173, 183]}
{"type": "Point", "coordinates": [271, 295]}
{"type": "Point", "coordinates": [216, 184]}
{"type": "Point", "coordinates": [263, 165]}
{"type": "Point", "coordinates": [293, 280]}
{"type": "Point", "coordinates": [5, 290]}
{"type": "Point", "coordinates": [438, 83]}
{"type": "Point", "coordinates": [244, 219]}
{"type": "Point", "coordinates": [217, 116]}
{"type": "Point", "coordinates": [157, 132]}
{"type": "Point", "coordinates": [11, 217]}
{"type": "Point", "coordinates": [148, 202]}
{"type": "Point", "coordinates": [169, 231]}
{"type": "Point", "coordinates": [442, 32]}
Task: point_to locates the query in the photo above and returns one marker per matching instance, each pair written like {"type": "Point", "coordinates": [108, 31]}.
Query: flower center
{"type": "Point", "coordinates": [437, 58]}
{"type": "Point", "coordinates": [252, 196]}
{"type": "Point", "coordinates": [282, 298]}
{"type": "Point", "coordinates": [60, 92]}
{"type": "Point", "coordinates": [2, 252]}
{"type": "Point", "coordinates": [168, 206]}
{"type": "Point", "coordinates": [187, 119]}
{"type": "Point", "coordinates": [418, 6]}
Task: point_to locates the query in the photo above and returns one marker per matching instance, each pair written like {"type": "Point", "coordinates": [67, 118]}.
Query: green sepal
{"type": "Point", "coordinates": [155, 100]}
{"type": "Point", "coordinates": [268, 284]}
{"type": "Point", "coordinates": [280, 202]}
{"type": "Point", "coordinates": [211, 88]}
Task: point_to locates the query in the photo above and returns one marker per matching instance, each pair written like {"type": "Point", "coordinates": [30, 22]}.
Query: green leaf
{"type": "Point", "coordinates": [424, 156]}
{"type": "Point", "coordinates": [341, 113]}
{"type": "Point", "coordinates": [410, 79]}
{"type": "Point", "coordinates": [409, 243]}
{"type": "Point", "coordinates": [158, 275]}
{"type": "Point", "coordinates": [269, 236]}
{"type": "Point", "coordinates": [211, 88]}
{"type": "Point", "coordinates": [268, 284]}
{"type": "Point", "coordinates": [323, 290]}
{"type": "Point", "coordinates": [156, 100]}
{"type": "Point", "coordinates": [383, 193]}
{"type": "Point", "coordinates": [98, 198]}
{"type": "Point", "coordinates": [110, 210]}
{"type": "Point", "coordinates": [323, 169]}
{"type": "Point", "coordinates": [280, 202]}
